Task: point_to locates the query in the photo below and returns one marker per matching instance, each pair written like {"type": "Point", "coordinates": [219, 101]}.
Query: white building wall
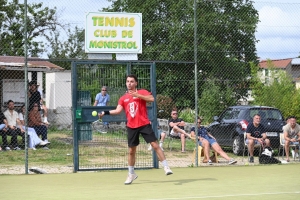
{"type": "Point", "coordinates": [58, 89]}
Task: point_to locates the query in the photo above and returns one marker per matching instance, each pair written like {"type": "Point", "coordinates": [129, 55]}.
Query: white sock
{"type": "Point", "coordinates": [45, 119]}
{"type": "Point", "coordinates": [164, 163]}
{"type": "Point", "coordinates": [160, 144]}
{"type": "Point", "coordinates": [131, 169]}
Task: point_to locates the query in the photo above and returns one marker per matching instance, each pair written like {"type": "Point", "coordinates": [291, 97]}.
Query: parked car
{"type": "Point", "coordinates": [230, 126]}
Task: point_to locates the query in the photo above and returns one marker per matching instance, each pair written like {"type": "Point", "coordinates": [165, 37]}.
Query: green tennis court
{"type": "Point", "coordinates": [230, 182]}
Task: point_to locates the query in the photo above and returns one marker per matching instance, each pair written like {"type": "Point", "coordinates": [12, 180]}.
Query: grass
{"type": "Point", "coordinates": [104, 150]}
{"type": "Point", "coordinates": [232, 183]}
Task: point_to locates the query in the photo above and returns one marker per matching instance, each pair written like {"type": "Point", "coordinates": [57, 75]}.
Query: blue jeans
{"type": "Point", "coordinates": [2, 126]}
{"type": "Point", "coordinates": [41, 130]}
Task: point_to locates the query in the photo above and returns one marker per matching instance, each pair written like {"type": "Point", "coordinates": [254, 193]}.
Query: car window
{"type": "Point", "coordinates": [230, 114]}
{"type": "Point", "coordinates": [266, 113]}
{"type": "Point", "coordinates": [227, 114]}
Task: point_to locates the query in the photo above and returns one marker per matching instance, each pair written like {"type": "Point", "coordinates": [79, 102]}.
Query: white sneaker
{"type": "Point", "coordinates": [46, 141]}
{"type": "Point", "coordinates": [209, 162]}
{"type": "Point", "coordinates": [232, 161]}
{"type": "Point", "coordinates": [130, 178]}
{"type": "Point", "coordinates": [168, 171]}
{"type": "Point", "coordinates": [7, 149]}
{"type": "Point", "coordinates": [33, 148]}
{"type": "Point", "coordinates": [43, 143]}
{"type": "Point", "coordinates": [150, 148]}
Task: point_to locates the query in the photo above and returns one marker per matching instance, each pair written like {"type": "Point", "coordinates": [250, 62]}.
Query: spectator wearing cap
{"type": "Point", "coordinates": [35, 97]}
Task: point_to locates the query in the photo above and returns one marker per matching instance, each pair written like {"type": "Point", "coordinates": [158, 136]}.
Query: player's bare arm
{"type": "Point", "coordinates": [148, 98]}
{"type": "Point", "coordinates": [117, 111]}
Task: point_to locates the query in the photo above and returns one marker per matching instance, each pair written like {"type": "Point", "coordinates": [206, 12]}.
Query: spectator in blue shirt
{"type": "Point", "coordinates": [206, 140]}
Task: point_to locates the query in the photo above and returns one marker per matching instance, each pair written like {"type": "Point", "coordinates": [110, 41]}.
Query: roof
{"type": "Point", "coordinates": [18, 63]}
{"type": "Point", "coordinates": [250, 106]}
{"type": "Point", "coordinates": [281, 64]}
{"type": "Point", "coordinates": [296, 61]}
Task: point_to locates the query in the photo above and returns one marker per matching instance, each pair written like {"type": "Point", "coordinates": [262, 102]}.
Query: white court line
{"type": "Point", "coordinates": [224, 196]}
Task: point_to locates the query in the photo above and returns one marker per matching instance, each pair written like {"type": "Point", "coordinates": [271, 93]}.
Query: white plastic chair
{"type": "Point", "coordinates": [256, 145]}
{"type": "Point", "coordinates": [281, 146]}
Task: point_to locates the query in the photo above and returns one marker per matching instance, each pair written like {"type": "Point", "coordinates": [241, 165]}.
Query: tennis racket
{"type": "Point", "coordinates": [99, 126]}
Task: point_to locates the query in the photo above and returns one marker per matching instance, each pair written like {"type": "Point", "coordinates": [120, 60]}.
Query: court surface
{"type": "Point", "coordinates": [230, 182]}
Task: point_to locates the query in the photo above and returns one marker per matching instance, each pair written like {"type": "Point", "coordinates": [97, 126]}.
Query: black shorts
{"type": "Point", "coordinates": [134, 133]}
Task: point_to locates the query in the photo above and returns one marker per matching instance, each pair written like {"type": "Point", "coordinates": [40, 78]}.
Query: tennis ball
{"type": "Point", "coordinates": [94, 113]}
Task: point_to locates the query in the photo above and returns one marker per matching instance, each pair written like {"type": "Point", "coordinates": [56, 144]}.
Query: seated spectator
{"type": "Point", "coordinates": [33, 139]}
{"type": "Point", "coordinates": [291, 133]}
{"type": "Point", "coordinates": [43, 106]}
{"type": "Point", "coordinates": [35, 97]}
{"type": "Point", "coordinates": [12, 130]}
{"type": "Point", "coordinates": [162, 136]}
{"type": "Point", "coordinates": [207, 141]}
{"type": "Point", "coordinates": [35, 121]}
{"type": "Point", "coordinates": [3, 124]}
{"type": "Point", "coordinates": [177, 128]}
{"type": "Point", "coordinates": [256, 134]}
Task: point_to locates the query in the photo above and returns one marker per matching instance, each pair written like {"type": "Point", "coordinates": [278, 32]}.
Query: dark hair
{"type": "Point", "coordinates": [132, 76]}
{"type": "Point", "coordinates": [290, 117]}
{"type": "Point", "coordinates": [9, 101]}
{"type": "Point", "coordinates": [32, 83]}
{"type": "Point", "coordinates": [256, 115]}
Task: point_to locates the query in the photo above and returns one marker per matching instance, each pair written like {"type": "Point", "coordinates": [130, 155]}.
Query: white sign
{"type": "Point", "coordinates": [13, 89]}
{"type": "Point", "coordinates": [109, 32]}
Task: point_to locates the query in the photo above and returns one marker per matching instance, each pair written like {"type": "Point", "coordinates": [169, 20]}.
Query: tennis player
{"type": "Point", "coordinates": [133, 102]}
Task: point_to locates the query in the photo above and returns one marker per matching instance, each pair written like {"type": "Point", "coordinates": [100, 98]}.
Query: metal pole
{"type": "Point", "coordinates": [26, 87]}
{"type": "Point", "coordinates": [196, 80]}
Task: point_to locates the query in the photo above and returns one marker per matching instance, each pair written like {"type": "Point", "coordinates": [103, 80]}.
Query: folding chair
{"type": "Point", "coordinates": [281, 146]}
{"type": "Point", "coordinates": [258, 145]}
{"type": "Point", "coordinates": [201, 153]}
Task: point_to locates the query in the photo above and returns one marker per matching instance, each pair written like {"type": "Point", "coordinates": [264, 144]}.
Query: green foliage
{"type": "Point", "coordinates": [164, 106]}
{"type": "Point", "coordinates": [214, 99]}
{"type": "Point", "coordinates": [226, 43]}
{"type": "Point", "coordinates": [188, 115]}
{"type": "Point", "coordinates": [280, 92]}
{"type": "Point", "coordinates": [73, 47]}
{"type": "Point", "coordinates": [40, 21]}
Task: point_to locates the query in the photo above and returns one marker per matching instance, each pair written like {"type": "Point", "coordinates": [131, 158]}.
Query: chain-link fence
{"type": "Point", "coordinates": [207, 56]}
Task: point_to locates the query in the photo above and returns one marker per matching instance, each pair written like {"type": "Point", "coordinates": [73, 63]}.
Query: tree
{"type": "Point", "coordinates": [72, 47]}
{"type": "Point", "coordinates": [225, 42]}
{"type": "Point", "coordinates": [214, 100]}
{"type": "Point", "coordinates": [280, 92]}
{"type": "Point", "coordinates": [41, 20]}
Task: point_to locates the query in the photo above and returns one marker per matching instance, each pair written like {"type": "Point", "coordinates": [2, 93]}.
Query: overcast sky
{"type": "Point", "coordinates": [278, 31]}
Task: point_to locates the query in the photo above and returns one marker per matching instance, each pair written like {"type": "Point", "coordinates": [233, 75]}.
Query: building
{"type": "Point", "coordinates": [12, 76]}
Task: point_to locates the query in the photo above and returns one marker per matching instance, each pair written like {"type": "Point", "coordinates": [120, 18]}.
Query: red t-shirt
{"type": "Point", "coordinates": [135, 109]}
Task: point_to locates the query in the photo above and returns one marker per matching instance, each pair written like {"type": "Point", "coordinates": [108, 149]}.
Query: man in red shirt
{"type": "Point", "coordinates": [134, 105]}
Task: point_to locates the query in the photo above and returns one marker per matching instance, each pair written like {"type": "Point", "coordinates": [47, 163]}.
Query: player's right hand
{"type": "Point", "coordinates": [101, 114]}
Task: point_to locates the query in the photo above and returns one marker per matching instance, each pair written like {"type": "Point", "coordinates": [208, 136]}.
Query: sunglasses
{"type": "Point", "coordinates": [174, 113]}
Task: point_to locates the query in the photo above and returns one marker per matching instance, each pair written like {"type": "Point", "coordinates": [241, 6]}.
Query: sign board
{"type": "Point", "coordinates": [13, 89]}
{"type": "Point", "coordinates": [109, 32]}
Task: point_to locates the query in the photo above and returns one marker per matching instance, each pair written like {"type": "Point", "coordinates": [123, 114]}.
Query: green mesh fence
{"type": "Point", "coordinates": [231, 52]}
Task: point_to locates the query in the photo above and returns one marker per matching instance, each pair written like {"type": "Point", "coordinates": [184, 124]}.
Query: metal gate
{"type": "Point", "coordinates": [107, 151]}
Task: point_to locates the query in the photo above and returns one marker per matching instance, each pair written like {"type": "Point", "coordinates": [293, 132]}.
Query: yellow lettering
{"type": "Point", "coordinates": [131, 22]}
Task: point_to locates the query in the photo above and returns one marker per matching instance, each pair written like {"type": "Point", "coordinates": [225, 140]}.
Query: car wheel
{"type": "Point", "coordinates": [238, 145]}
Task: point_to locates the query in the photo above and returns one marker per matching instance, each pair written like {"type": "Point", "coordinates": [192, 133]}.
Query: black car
{"type": "Point", "coordinates": [230, 126]}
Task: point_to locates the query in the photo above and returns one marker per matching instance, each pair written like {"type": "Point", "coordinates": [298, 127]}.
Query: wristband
{"type": "Point", "coordinates": [106, 112]}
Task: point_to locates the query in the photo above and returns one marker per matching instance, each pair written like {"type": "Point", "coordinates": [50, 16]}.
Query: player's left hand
{"type": "Point", "coordinates": [133, 93]}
